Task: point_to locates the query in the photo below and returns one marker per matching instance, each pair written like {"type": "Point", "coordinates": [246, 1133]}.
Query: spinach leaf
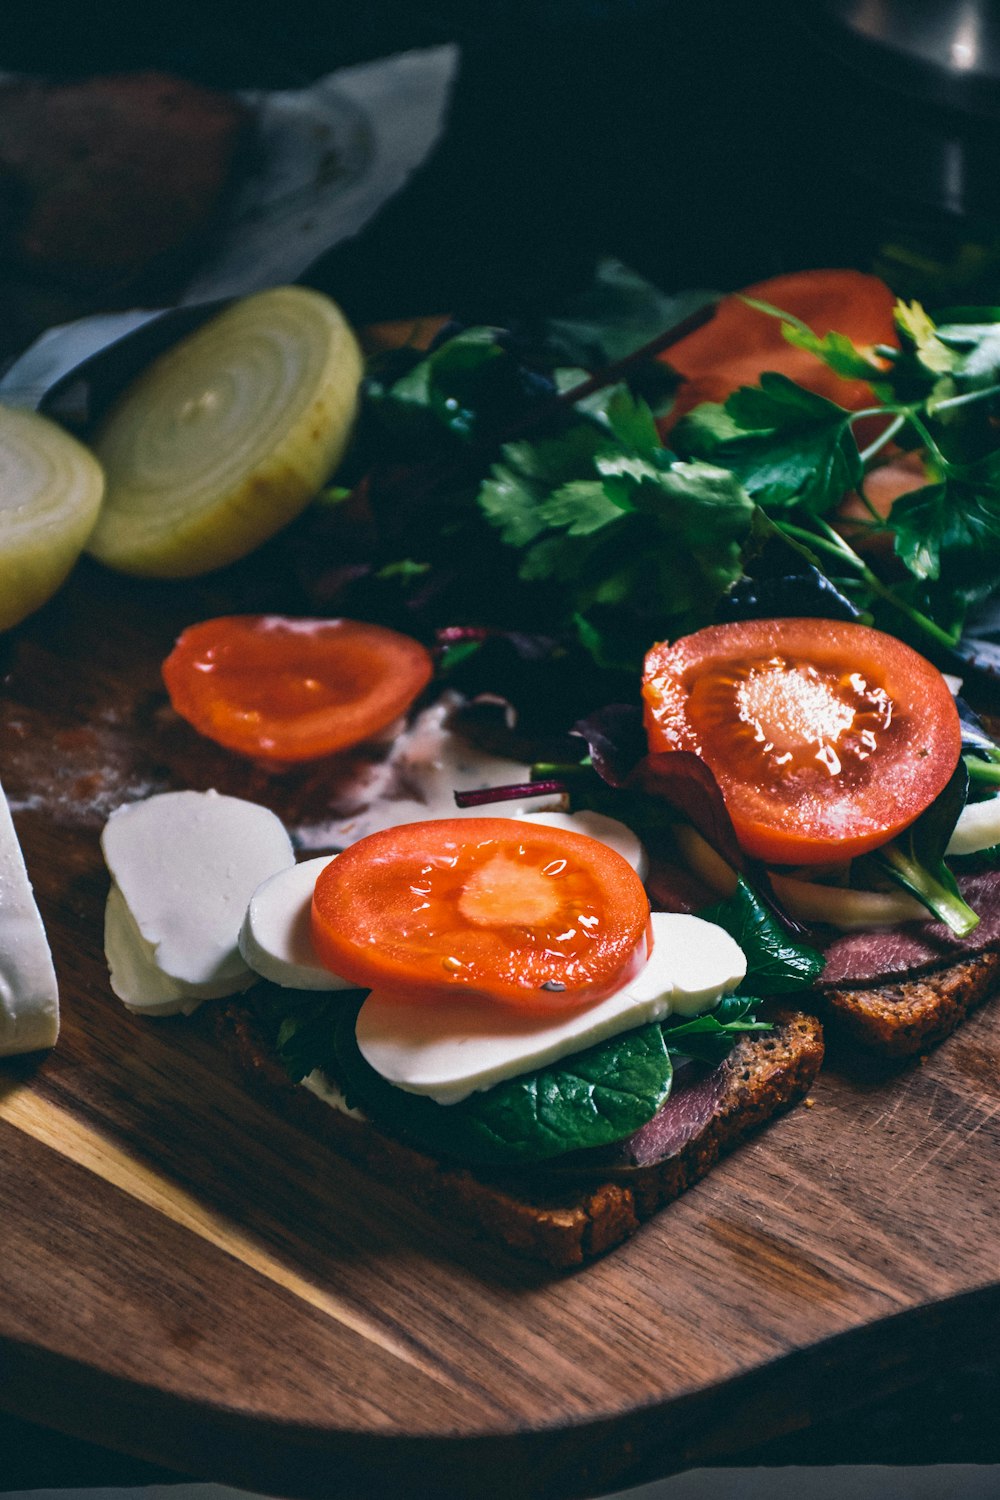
{"type": "Point", "coordinates": [596, 1097]}
{"type": "Point", "coordinates": [915, 860]}
{"type": "Point", "coordinates": [710, 1037]}
{"type": "Point", "coordinates": [776, 963]}
{"type": "Point", "coordinates": [305, 1026]}
{"type": "Point", "coordinates": [593, 1098]}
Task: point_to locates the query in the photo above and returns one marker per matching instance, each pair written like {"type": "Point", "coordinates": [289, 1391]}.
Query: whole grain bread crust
{"type": "Point", "coordinates": [910, 1015]}
{"type": "Point", "coordinates": [563, 1225]}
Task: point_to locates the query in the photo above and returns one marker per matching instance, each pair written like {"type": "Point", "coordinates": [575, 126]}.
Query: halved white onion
{"type": "Point", "coordinates": [227, 436]}
{"type": "Point", "coordinates": [808, 900]}
{"type": "Point", "coordinates": [50, 493]}
{"type": "Point", "coordinates": [978, 827]}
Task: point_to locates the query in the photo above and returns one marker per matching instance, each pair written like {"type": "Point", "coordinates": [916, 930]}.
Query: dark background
{"type": "Point", "coordinates": [643, 128]}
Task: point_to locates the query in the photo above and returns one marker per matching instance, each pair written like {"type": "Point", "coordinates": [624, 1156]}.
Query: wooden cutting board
{"type": "Point", "coordinates": [195, 1282]}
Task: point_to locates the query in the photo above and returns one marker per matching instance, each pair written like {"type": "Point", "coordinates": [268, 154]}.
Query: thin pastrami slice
{"type": "Point", "coordinates": [866, 958]}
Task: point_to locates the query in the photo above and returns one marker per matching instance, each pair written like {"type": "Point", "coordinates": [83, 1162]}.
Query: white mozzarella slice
{"type": "Point", "coordinates": [186, 865]}
{"type": "Point", "coordinates": [324, 1088]}
{"type": "Point", "coordinates": [29, 994]}
{"type": "Point", "coordinates": [706, 962]}
{"type": "Point", "coordinates": [617, 835]}
{"type": "Point", "coordinates": [135, 977]}
{"type": "Point", "coordinates": [978, 827]}
{"type": "Point", "coordinates": [275, 939]}
{"type": "Point", "coordinates": [451, 1050]}
{"type": "Point", "coordinates": [428, 764]}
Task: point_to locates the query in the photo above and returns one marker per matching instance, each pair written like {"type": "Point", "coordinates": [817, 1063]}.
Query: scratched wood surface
{"type": "Point", "coordinates": [191, 1281]}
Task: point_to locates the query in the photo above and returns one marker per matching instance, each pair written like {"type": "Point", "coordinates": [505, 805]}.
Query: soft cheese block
{"type": "Point", "coordinates": [185, 865]}
{"type": "Point", "coordinates": [451, 1050]}
{"type": "Point", "coordinates": [29, 994]}
{"type": "Point", "coordinates": [276, 938]}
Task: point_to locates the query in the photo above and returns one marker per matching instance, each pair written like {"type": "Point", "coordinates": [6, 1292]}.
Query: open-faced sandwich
{"type": "Point", "coordinates": [841, 787]}
{"type": "Point", "coordinates": [508, 1017]}
{"type": "Point", "coordinates": [481, 1009]}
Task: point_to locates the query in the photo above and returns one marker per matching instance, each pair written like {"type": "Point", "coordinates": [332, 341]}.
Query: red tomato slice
{"type": "Point", "coordinates": [516, 912]}
{"type": "Point", "coordinates": [740, 343]}
{"type": "Point", "coordinates": [281, 689]}
{"type": "Point", "coordinates": [826, 738]}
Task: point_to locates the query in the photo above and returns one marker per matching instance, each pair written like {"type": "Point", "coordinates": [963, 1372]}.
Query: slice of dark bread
{"type": "Point", "coordinates": [904, 1016]}
{"type": "Point", "coordinates": [581, 1206]}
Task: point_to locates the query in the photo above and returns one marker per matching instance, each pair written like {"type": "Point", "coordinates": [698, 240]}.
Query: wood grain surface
{"type": "Point", "coordinates": [190, 1280]}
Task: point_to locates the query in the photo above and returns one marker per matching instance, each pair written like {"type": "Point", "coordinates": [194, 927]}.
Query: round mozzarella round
{"type": "Point", "coordinates": [618, 836]}
{"type": "Point", "coordinates": [186, 865]}
{"type": "Point", "coordinates": [275, 939]}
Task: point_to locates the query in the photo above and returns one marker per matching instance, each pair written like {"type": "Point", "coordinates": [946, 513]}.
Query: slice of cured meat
{"type": "Point", "coordinates": [892, 953]}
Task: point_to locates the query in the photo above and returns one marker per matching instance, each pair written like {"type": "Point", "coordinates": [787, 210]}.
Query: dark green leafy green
{"type": "Point", "coordinates": [597, 1097]}
{"type": "Point", "coordinates": [785, 444]}
{"type": "Point", "coordinates": [617, 313]}
{"type": "Point", "coordinates": [302, 1025]}
{"type": "Point", "coordinates": [796, 456]}
{"type": "Point", "coordinates": [710, 1037]}
{"type": "Point", "coordinates": [494, 501]}
{"type": "Point", "coordinates": [950, 532]}
{"type": "Point", "coordinates": [607, 513]}
{"type": "Point", "coordinates": [777, 964]}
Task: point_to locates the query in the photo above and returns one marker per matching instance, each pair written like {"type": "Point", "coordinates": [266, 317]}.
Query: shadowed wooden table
{"type": "Point", "coordinates": [193, 1282]}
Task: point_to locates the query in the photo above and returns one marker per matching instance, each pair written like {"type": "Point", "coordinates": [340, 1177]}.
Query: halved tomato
{"type": "Point", "coordinates": [826, 738]}
{"type": "Point", "coordinates": [282, 689]}
{"type": "Point", "coordinates": [739, 343]}
{"type": "Point", "coordinates": [528, 915]}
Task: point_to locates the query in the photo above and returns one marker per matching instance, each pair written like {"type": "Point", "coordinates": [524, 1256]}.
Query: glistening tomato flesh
{"type": "Point", "coordinates": [827, 738]}
{"type": "Point", "coordinates": [282, 689]}
{"type": "Point", "coordinates": [514, 912]}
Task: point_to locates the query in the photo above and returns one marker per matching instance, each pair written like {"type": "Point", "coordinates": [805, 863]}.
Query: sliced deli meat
{"type": "Point", "coordinates": [859, 958]}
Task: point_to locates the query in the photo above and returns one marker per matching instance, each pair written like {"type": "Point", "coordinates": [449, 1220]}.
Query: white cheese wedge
{"type": "Point", "coordinates": [275, 939]}
{"type": "Point", "coordinates": [186, 865]}
{"type": "Point", "coordinates": [978, 827]}
{"type": "Point", "coordinates": [596, 825]}
{"type": "Point", "coordinates": [457, 1048]}
{"type": "Point", "coordinates": [29, 994]}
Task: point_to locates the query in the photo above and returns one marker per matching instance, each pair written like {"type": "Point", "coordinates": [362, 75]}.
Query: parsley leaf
{"type": "Point", "coordinates": [786, 445]}
{"type": "Point", "coordinates": [605, 511]}
{"type": "Point", "coordinates": [950, 531]}
{"type": "Point", "coordinates": [835, 349]}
